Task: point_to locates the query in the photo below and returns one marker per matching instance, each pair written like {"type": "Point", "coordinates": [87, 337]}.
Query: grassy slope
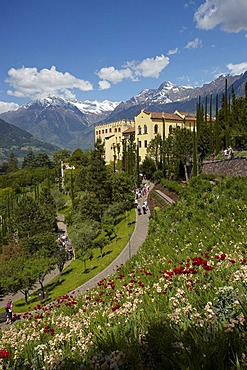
{"type": "Point", "coordinates": [75, 275]}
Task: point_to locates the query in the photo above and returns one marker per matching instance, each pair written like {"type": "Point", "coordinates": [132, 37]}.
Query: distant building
{"type": "Point", "coordinates": [145, 127]}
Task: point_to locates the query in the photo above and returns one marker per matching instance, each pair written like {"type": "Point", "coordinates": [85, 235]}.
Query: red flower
{"type": "Point", "coordinates": [4, 353]}
{"type": "Point", "coordinates": [116, 307]}
{"type": "Point", "coordinates": [232, 261]}
{"type": "Point", "coordinates": [206, 267]}
{"type": "Point", "coordinates": [223, 256]}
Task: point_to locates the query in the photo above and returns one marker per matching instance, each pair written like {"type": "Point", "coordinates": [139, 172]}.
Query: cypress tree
{"type": "Point", "coordinates": [137, 167]}
{"type": "Point", "coordinates": [194, 169]}
{"type": "Point", "coordinates": [124, 155]}
{"type": "Point", "coordinates": [217, 133]}
{"type": "Point", "coordinates": [211, 144]}
{"type": "Point", "coordinates": [206, 110]}
{"type": "Point", "coordinates": [227, 136]}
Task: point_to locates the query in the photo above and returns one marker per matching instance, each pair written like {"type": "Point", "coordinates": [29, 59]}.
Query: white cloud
{"type": "Point", "coordinates": [133, 70]}
{"type": "Point", "coordinates": [172, 51]}
{"type": "Point", "coordinates": [237, 69]}
{"type": "Point", "coordinates": [230, 14]}
{"type": "Point", "coordinates": [113, 75]}
{"type": "Point", "coordinates": [150, 67]}
{"type": "Point", "coordinates": [104, 85]}
{"type": "Point", "coordinates": [31, 83]}
{"type": "Point", "coordinates": [194, 44]}
{"type": "Point", "coordinates": [5, 106]}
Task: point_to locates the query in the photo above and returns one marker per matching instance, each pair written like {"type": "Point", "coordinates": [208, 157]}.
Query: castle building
{"type": "Point", "coordinates": [145, 127]}
{"type": "Point", "coordinates": [111, 134]}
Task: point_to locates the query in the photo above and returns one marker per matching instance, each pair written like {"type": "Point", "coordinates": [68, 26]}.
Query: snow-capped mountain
{"type": "Point", "coordinates": [169, 97]}
{"type": "Point", "coordinates": [87, 106]}
{"type": "Point", "coordinates": [70, 123]}
{"type": "Point", "coordinates": [59, 121]}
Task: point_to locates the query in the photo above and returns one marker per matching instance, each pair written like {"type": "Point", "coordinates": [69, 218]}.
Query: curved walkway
{"type": "Point", "coordinates": [136, 240]}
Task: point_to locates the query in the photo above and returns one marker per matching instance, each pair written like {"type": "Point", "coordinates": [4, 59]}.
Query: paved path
{"type": "Point", "coordinates": [135, 241]}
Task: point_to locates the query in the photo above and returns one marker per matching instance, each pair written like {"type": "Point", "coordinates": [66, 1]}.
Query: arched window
{"type": "Point", "coordinates": [139, 130]}
{"type": "Point", "coordinates": [145, 129]}
{"type": "Point", "coordinates": [170, 129]}
{"type": "Point", "coordinates": [156, 129]}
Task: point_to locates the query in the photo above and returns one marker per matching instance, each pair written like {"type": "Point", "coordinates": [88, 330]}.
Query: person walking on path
{"type": "Point", "coordinates": [9, 312]}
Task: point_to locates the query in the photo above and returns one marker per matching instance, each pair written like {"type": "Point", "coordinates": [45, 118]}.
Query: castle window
{"type": "Point", "coordinates": [106, 130]}
{"type": "Point", "coordinates": [140, 144]}
{"type": "Point", "coordinates": [115, 130]}
{"type": "Point", "coordinates": [145, 143]}
{"type": "Point", "coordinates": [170, 129]}
{"type": "Point", "coordinates": [99, 132]}
{"type": "Point", "coordinates": [96, 132]}
{"type": "Point", "coordinates": [103, 131]}
{"type": "Point", "coordinates": [119, 129]}
{"type": "Point", "coordinates": [109, 129]}
{"type": "Point", "coordinates": [145, 129]}
{"type": "Point", "coordinates": [156, 129]}
{"type": "Point", "coordinates": [139, 130]}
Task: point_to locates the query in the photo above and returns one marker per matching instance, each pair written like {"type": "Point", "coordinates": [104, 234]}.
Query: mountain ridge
{"type": "Point", "coordinates": [15, 140]}
{"type": "Point", "coordinates": [70, 123]}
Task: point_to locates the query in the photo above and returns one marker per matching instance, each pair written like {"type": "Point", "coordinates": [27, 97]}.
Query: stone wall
{"type": "Point", "coordinates": [228, 167]}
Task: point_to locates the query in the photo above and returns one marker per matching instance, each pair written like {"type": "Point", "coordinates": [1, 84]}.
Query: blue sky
{"type": "Point", "coordinates": [97, 50]}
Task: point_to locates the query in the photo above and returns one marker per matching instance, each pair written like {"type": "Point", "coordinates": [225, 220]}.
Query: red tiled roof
{"type": "Point", "coordinates": [173, 117]}
{"type": "Point", "coordinates": [161, 115]}
{"type": "Point", "coordinates": [129, 130]}
{"type": "Point", "coordinates": [189, 115]}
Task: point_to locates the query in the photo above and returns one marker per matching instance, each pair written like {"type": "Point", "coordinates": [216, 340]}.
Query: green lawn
{"type": "Point", "coordinates": [75, 274]}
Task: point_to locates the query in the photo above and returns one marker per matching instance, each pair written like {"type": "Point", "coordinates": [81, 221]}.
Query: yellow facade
{"type": "Point", "coordinates": [146, 126]}
{"type": "Point", "coordinates": [111, 134]}
{"type": "Point", "coordinates": [149, 124]}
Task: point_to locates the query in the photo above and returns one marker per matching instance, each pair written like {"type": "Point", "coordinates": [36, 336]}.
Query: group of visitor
{"type": "Point", "coordinates": [139, 193]}
{"type": "Point", "coordinates": [63, 242]}
{"type": "Point", "coordinates": [142, 191]}
{"type": "Point", "coordinates": [229, 153]}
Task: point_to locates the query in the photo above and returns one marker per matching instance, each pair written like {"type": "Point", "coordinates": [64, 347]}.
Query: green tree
{"type": "Point", "coordinates": [82, 236]}
{"type": "Point", "coordinates": [154, 150]}
{"type": "Point", "coordinates": [148, 167]}
{"type": "Point", "coordinates": [28, 217]}
{"type": "Point", "coordinates": [28, 160]}
{"type": "Point", "coordinates": [60, 257]}
{"type": "Point", "coordinates": [12, 163]}
{"type": "Point", "coordinates": [19, 274]}
{"type": "Point", "coordinates": [48, 209]}
{"type": "Point", "coordinates": [42, 160]}
{"type": "Point", "coordinates": [122, 189]}
{"type": "Point", "coordinates": [217, 130]}
{"type": "Point", "coordinates": [44, 266]}
{"type": "Point", "coordinates": [61, 155]}
{"type": "Point", "coordinates": [97, 179]}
